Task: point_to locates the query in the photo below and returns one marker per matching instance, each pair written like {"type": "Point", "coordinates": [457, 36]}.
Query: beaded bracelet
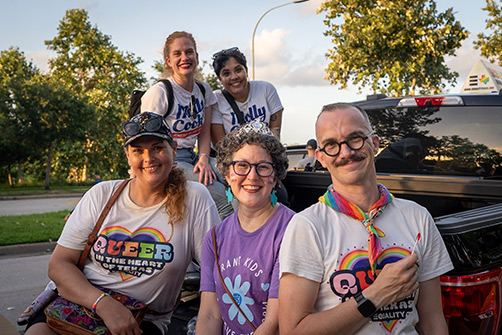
{"type": "Point", "coordinates": [98, 300]}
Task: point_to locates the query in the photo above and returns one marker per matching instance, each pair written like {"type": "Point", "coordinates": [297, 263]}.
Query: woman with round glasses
{"type": "Point", "coordinates": [191, 113]}
{"type": "Point", "coordinates": [257, 100]}
{"type": "Point", "coordinates": [245, 253]}
{"type": "Point", "coordinates": [152, 232]}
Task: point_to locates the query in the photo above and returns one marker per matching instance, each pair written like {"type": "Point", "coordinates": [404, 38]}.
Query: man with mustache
{"type": "Point", "coordinates": [348, 264]}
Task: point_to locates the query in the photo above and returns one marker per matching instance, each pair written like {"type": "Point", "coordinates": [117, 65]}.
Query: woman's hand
{"type": "Point", "coordinates": [117, 318]}
{"type": "Point", "coordinates": [206, 173]}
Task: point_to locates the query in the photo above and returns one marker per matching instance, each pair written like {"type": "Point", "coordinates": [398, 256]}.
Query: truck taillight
{"type": "Point", "coordinates": [430, 101]}
{"type": "Point", "coordinates": [472, 303]}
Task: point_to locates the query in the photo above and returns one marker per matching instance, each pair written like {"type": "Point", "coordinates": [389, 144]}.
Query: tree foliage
{"type": "Point", "coordinates": [90, 66]}
{"type": "Point", "coordinates": [490, 44]}
{"type": "Point", "coordinates": [15, 73]}
{"type": "Point", "coordinates": [55, 116]}
{"type": "Point", "coordinates": [393, 47]}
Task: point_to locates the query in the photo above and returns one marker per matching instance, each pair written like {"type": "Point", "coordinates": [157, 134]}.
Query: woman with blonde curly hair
{"type": "Point", "coordinates": [153, 230]}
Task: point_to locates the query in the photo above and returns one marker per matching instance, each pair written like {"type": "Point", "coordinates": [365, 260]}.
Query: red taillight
{"type": "Point", "coordinates": [431, 101]}
{"type": "Point", "coordinates": [472, 302]}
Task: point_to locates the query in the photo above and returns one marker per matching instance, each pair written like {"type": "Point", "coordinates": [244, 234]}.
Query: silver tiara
{"type": "Point", "coordinates": [255, 127]}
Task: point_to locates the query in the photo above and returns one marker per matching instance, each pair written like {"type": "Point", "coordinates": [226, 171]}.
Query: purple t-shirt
{"type": "Point", "coordinates": [249, 264]}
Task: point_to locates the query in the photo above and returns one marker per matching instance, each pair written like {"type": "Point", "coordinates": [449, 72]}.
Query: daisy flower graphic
{"type": "Point", "coordinates": [239, 294]}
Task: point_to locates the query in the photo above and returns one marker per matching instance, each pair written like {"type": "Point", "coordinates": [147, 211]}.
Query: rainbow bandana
{"type": "Point", "coordinates": [339, 204]}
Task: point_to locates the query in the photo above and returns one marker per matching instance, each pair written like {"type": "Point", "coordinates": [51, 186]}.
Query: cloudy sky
{"type": "Point", "coordinates": [289, 42]}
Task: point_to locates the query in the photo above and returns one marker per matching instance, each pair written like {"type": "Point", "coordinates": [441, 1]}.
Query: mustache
{"type": "Point", "coordinates": [357, 157]}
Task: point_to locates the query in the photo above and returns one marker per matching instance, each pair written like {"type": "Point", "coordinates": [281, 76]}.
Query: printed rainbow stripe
{"type": "Point", "coordinates": [354, 259]}
{"type": "Point", "coordinates": [358, 258]}
{"type": "Point", "coordinates": [153, 233]}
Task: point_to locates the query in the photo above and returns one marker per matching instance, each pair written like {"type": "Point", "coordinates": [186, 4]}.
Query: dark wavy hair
{"type": "Point", "coordinates": [224, 55]}
{"type": "Point", "coordinates": [235, 140]}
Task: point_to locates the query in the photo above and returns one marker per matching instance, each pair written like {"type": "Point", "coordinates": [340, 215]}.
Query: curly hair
{"type": "Point", "coordinates": [175, 190]}
{"type": "Point", "coordinates": [167, 48]}
{"type": "Point", "coordinates": [235, 140]}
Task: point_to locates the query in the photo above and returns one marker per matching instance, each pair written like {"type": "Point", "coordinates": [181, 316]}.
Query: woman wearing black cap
{"type": "Point", "coordinates": [153, 230]}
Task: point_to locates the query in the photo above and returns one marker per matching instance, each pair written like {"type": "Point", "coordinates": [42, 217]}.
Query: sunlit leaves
{"type": "Point", "coordinates": [393, 47]}
{"type": "Point", "coordinates": [490, 44]}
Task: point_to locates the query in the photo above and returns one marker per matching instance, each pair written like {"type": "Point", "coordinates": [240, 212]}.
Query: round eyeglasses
{"type": "Point", "coordinates": [263, 169]}
{"type": "Point", "coordinates": [332, 148]}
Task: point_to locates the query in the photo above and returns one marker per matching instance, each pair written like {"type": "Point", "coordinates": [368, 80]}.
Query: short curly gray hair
{"type": "Point", "coordinates": [235, 140]}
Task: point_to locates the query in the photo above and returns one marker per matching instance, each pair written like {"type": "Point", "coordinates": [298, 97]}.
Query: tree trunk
{"type": "Point", "coordinates": [48, 167]}
{"type": "Point", "coordinates": [10, 177]}
{"type": "Point", "coordinates": [20, 173]}
{"type": "Point", "coordinates": [413, 84]}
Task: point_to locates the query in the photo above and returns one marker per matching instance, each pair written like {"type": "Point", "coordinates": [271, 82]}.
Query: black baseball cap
{"type": "Point", "coordinates": [146, 123]}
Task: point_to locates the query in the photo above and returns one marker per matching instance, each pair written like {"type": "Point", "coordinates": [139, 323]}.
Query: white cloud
{"type": "Point", "coordinates": [277, 62]}
{"type": "Point", "coordinates": [464, 60]}
{"type": "Point", "coordinates": [40, 59]}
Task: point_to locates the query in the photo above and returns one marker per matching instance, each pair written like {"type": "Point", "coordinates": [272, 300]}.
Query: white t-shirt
{"type": "Point", "coordinates": [185, 126]}
{"type": "Point", "coordinates": [262, 102]}
{"type": "Point", "coordinates": [307, 160]}
{"type": "Point", "coordinates": [137, 252]}
{"type": "Point", "coordinates": [331, 248]}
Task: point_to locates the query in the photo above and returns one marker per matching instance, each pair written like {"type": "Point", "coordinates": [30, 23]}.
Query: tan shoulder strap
{"type": "Point", "coordinates": [213, 232]}
{"type": "Point", "coordinates": [94, 234]}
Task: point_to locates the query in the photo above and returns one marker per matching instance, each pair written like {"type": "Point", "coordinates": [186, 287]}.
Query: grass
{"type": "Point", "coordinates": [32, 228]}
{"type": "Point", "coordinates": [31, 190]}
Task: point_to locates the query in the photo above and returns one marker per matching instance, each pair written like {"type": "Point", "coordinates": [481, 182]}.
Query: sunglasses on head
{"type": "Point", "coordinates": [225, 51]}
{"type": "Point", "coordinates": [132, 128]}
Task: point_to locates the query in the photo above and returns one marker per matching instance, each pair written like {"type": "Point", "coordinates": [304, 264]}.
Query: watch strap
{"type": "Point", "coordinates": [364, 305]}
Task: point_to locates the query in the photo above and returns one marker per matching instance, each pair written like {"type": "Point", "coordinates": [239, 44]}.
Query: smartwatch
{"type": "Point", "coordinates": [365, 306]}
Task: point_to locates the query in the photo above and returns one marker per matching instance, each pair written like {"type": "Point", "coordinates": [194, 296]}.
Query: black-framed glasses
{"type": "Point", "coordinates": [332, 148]}
{"type": "Point", "coordinates": [224, 51]}
{"type": "Point", "coordinates": [263, 169]}
{"type": "Point", "coordinates": [134, 127]}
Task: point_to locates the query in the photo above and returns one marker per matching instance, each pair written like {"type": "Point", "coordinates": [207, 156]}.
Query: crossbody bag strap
{"type": "Point", "coordinates": [170, 96]}
{"type": "Point", "coordinates": [231, 102]}
{"type": "Point", "coordinates": [213, 232]}
{"type": "Point", "coordinates": [94, 234]}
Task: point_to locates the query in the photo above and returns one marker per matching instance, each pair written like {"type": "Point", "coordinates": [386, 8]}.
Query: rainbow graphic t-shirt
{"type": "Point", "coordinates": [330, 248]}
{"type": "Point", "coordinates": [132, 253]}
{"type": "Point", "coordinates": [354, 275]}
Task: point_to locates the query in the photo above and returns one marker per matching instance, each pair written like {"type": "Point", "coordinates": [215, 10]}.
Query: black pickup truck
{"type": "Point", "coordinates": [445, 153]}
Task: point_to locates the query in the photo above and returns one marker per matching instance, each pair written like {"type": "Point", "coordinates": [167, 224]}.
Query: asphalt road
{"type": "Point", "coordinates": [23, 268]}
{"type": "Point", "coordinates": [22, 278]}
{"type": "Point", "coordinates": [43, 205]}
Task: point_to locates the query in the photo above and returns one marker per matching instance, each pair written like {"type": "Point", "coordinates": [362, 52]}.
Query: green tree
{"type": "Point", "coordinates": [393, 47]}
{"type": "Point", "coordinates": [90, 66]}
{"type": "Point", "coordinates": [15, 73]}
{"type": "Point", "coordinates": [55, 116]}
{"type": "Point", "coordinates": [491, 44]}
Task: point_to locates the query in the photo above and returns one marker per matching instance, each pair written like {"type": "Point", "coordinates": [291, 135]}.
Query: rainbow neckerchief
{"type": "Point", "coordinates": [339, 204]}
